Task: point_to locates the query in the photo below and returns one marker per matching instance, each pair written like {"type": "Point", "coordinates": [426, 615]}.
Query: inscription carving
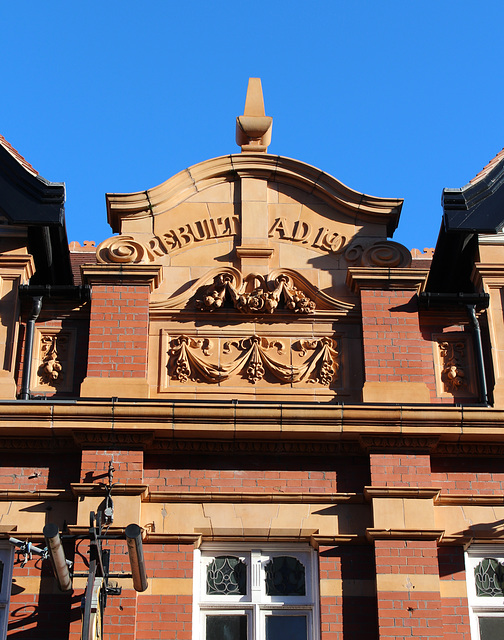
{"type": "Point", "coordinates": [452, 373]}
{"type": "Point", "coordinates": [264, 298]}
{"type": "Point", "coordinates": [127, 249]}
{"type": "Point", "coordinates": [301, 231]}
{"type": "Point", "coordinates": [253, 357]}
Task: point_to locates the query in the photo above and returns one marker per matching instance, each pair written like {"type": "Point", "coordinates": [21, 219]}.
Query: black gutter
{"type": "Point", "coordinates": [67, 291]}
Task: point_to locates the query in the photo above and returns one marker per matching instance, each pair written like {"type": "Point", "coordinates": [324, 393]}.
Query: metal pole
{"type": "Point", "coordinates": [133, 535]}
{"type": "Point", "coordinates": [57, 555]}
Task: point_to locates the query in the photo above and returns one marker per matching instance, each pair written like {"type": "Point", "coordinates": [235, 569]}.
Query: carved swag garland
{"type": "Point", "coordinates": [263, 298]}
{"type": "Point", "coordinates": [253, 360]}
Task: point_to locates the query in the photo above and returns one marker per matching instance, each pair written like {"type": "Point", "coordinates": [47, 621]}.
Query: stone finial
{"type": "Point", "coordinates": [253, 128]}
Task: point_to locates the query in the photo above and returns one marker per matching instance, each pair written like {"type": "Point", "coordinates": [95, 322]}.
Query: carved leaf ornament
{"type": "Point", "coordinates": [453, 374]}
{"type": "Point", "coordinates": [253, 360]}
{"type": "Point", "coordinates": [52, 348]}
{"type": "Point", "coordinates": [264, 298]}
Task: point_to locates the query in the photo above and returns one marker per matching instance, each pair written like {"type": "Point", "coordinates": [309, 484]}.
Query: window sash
{"type": "Point", "coordinates": [255, 605]}
{"type": "Point", "coordinates": [482, 606]}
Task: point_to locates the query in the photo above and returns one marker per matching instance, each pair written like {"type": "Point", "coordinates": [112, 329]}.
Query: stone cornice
{"type": "Point", "coordinates": [17, 495]}
{"type": "Point", "coordinates": [400, 492]}
{"type": "Point", "coordinates": [191, 181]}
{"type": "Point", "coordinates": [253, 427]}
{"type": "Point", "coordinates": [404, 534]}
{"type": "Point", "coordinates": [384, 278]}
{"type": "Point", "coordinates": [17, 265]}
{"type": "Point", "coordinates": [385, 443]}
{"type": "Point", "coordinates": [118, 274]}
{"type": "Point", "coordinates": [469, 500]}
{"type": "Point", "coordinates": [94, 489]}
{"type": "Point", "coordinates": [255, 498]}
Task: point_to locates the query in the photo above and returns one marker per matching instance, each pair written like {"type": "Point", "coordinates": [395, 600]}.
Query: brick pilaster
{"type": "Point", "coordinates": [398, 361]}
{"type": "Point", "coordinates": [119, 329]}
{"type": "Point", "coordinates": [408, 591]}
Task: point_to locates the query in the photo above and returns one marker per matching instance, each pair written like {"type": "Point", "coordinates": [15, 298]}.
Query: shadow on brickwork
{"type": "Point", "coordinates": [359, 607]}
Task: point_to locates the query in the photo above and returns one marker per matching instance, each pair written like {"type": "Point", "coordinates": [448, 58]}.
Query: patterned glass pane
{"type": "Point", "coordinates": [286, 628]}
{"type": "Point", "coordinates": [226, 575]}
{"type": "Point", "coordinates": [226, 627]}
{"type": "Point", "coordinates": [285, 576]}
{"type": "Point", "coordinates": [489, 578]}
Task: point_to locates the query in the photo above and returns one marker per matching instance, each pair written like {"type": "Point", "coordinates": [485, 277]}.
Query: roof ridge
{"type": "Point", "coordinates": [22, 161]}
{"type": "Point", "coordinates": [488, 167]}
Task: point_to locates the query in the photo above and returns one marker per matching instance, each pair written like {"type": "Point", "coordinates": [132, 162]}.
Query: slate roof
{"type": "Point", "coordinates": [474, 209]}
{"type": "Point", "coordinates": [27, 199]}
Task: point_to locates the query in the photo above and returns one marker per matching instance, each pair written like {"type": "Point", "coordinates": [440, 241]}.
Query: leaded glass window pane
{"type": "Point", "coordinates": [489, 578]}
{"type": "Point", "coordinates": [226, 575]}
{"type": "Point", "coordinates": [285, 576]}
{"type": "Point", "coordinates": [491, 628]}
{"type": "Point", "coordinates": [286, 628]}
{"type": "Point", "coordinates": [226, 627]}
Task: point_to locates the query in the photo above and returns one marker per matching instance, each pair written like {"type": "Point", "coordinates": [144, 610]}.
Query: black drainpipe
{"type": "Point", "coordinates": [28, 350]}
{"type": "Point", "coordinates": [478, 345]}
{"type": "Point", "coordinates": [470, 301]}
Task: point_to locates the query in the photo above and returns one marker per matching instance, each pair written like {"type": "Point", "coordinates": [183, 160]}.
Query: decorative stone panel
{"type": "Point", "coordinates": [53, 360]}
{"type": "Point", "coordinates": [250, 360]}
{"type": "Point", "coordinates": [455, 368]}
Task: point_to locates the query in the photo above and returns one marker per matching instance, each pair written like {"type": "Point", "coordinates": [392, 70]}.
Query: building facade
{"type": "Point", "coordinates": [304, 419]}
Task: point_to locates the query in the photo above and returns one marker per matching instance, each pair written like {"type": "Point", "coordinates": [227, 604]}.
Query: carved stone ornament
{"type": "Point", "coordinates": [452, 373]}
{"type": "Point", "coordinates": [54, 352]}
{"type": "Point", "coordinates": [253, 358]}
{"type": "Point", "coordinates": [123, 250]}
{"type": "Point", "coordinates": [384, 253]}
{"type": "Point", "coordinates": [264, 298]}
{"type": "Point", "coordinates": [226, 287]}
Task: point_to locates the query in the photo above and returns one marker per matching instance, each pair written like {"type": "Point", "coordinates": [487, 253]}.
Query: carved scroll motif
{"type": "Point", "coordinates": [383, 253]}
{"type": "Point", "coordinates": [452, 373]}
{"type": "Point", "coordinates": [255, 356]}
{"type": "Point", "coordinates": [265, 298]}
{"type": "Point", "coordinates": [53, 351]}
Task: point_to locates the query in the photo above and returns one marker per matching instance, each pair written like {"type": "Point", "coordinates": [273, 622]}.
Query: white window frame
{"type": "Point", "coordinates": [478, 605]}
{"type": "Point", "coordinates": [7, 557]}
{"type": "Point", "coordinates": [256, 605]}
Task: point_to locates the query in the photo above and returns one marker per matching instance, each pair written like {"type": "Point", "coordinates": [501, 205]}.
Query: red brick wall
{"type": "Point", "coordinates": [127, 464]}
{"type": "Point", "coordinates": [468, 475]}
{"type": "Point", "coordinates": [163, 617]}
{"type": "Point", "coordinates": [394, 348]}
{"type": "Point", "coordinates": [37, 471]}
{"type": "Point", "coordinates": [349, 615]}
{"type": "Point", "coordinates": [454, 610]}
{"type": "Point", "coordinates": [400, 469]}
{"type": "Point", "coordinates": [406, 613]}
{"type": "Point", "coordinates": [295, 474]}
{"type": "Point", "coordinates": [119, 328]}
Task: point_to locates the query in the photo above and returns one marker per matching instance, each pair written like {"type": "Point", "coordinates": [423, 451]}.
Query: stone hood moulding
{"type": "Point", "coordinates": [122, 208]}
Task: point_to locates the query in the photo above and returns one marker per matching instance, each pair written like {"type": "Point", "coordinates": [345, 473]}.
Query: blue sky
{"type": "Point", "coordinates": [393, 98]}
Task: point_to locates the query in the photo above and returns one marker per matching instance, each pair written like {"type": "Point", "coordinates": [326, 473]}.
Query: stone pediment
{"type": "Point", "coordinates": [256, 213]}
